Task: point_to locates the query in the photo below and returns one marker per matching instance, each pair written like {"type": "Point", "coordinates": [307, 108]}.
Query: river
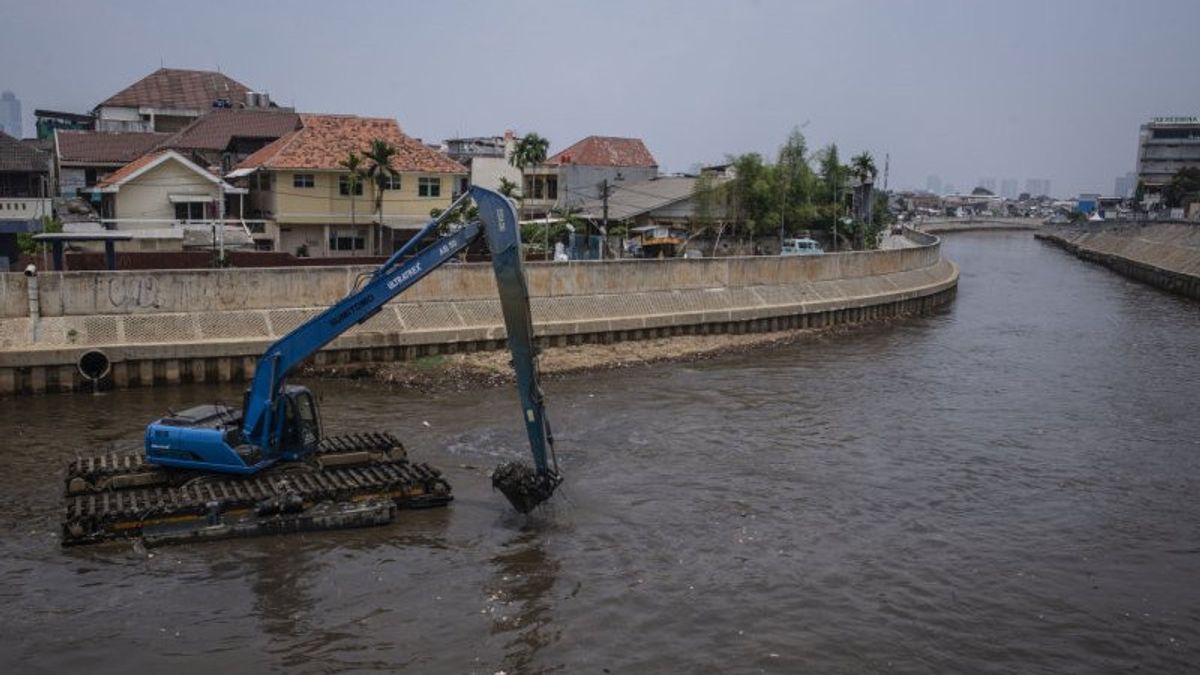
{"type": "Point", "coordinates": [1008, 486]}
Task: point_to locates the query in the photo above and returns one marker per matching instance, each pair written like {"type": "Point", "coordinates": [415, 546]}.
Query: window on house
{"type": "Point", "coordinates": [429, 186]}
{"type": "Point", "coordinates": [391, 182]}
{"type": "Point", "coordinates": [264, 181]}
{"type": "Point", "coordinates": [551, 187]}
{"type": "Point", "coordinates": [303, 180]}
{"type": "Point", "coordinates": [189, 211]}
{"type": "Point", "coordinates": [346, 240]}
{"type": "Point", "coordinates": [344, 186]}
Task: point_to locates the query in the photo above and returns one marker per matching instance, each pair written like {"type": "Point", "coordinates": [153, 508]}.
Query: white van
{"type": "Point", "coordinates": [802, 246]}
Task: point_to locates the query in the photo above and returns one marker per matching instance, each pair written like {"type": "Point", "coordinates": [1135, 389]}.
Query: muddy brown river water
{"type": "Point", "coordinates": [1007, 487]}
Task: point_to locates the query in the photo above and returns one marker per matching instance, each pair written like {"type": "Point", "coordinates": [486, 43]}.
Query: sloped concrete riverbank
{"type": "Point", "coordinates": [1164, 255]}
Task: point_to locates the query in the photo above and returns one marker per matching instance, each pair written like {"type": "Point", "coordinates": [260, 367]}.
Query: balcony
{"type": "Point", "coordinates": [25, 208]}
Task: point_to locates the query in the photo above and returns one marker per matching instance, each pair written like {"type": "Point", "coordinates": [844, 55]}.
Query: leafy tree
{"type": "Point", "coordinates": [1184, 184]}
{"type": "Point", "coordinates": [540, 234]}
{"type": "Point", "coordinates": [707, 196]}
{"type": "Point", "coordinates": [381, 173]}
{"type": "Point", "coordinates": [833, 175]}
{"type": "Point", "coordinates": [795, 179]}
{"type": "Point", "coordinates": [751, 193]}
{"type": "Point", "coordinates": [509, 189]}
{"type": "Point", "coordinates": [25, 240]}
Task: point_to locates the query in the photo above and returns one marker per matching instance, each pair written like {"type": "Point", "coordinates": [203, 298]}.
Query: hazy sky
{"type": "Point", "coordinates": [961, 89]}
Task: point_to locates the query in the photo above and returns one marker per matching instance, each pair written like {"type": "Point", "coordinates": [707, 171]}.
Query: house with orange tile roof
{"type": "Point", "coordinates": [159, 196]}
{"type": "Point", "coordinates": [572, 176]}
{"type": "Point", "coordinates": [299, 187]}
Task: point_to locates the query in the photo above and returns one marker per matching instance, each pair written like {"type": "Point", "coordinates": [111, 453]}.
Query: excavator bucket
{"type": "Point", "coordinates": [523, 486]}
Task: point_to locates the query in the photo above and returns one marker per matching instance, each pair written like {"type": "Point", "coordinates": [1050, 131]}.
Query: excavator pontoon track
{"type": "Point", "coordinates": [354, 481]}
{"type": "Point", "coordinates": [117, 469]}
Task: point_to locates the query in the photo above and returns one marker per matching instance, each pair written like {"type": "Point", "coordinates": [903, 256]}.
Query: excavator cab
{"type": "Point", "coordinates": [300, 431]}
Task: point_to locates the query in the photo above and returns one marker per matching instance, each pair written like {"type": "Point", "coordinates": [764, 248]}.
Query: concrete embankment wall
{"type": "Point", "coordinates": [211, 325]}
{"type": "Point", "coordinates": [939, 226]}
{"type": "Point", "coordinates": [1165, 255]}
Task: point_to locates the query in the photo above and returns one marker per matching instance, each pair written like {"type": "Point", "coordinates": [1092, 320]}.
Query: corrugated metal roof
{"type": "Point", "coordinates": [629, 200]}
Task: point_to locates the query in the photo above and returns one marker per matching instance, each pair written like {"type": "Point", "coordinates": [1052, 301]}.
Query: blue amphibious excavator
{"type": "Point", "coordinates": [213, 470]}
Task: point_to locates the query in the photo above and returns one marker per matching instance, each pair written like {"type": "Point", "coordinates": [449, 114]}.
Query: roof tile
{"type": "Point", "coordinates": [214, 130]}
{"type": "Point", "coordinates": [104, 147]}
{"type": "Point", "coordinates": [123, 172]}
{"type": "Point", "coordinates": [132, 167]}
{"type": "Point", "coordinates": [175, 88]}
{"type": "Point", "coordinates": [606, 151]}
{"type": "Point", "coordinates": [323, 141]}
{"type": "Point", "coordinates": [18, 156]}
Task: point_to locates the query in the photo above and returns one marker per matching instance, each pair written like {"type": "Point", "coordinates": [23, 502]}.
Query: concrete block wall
{"type": "Point", "coordinates": [211, 325]}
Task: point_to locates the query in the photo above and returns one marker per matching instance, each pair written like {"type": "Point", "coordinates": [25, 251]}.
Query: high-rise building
{"type": "Point", "coordinates": [933, 184]}
{"type": "Point", "coordinates": [1038, 187]}
{"type": "Point", "coordinates": [1166, 145]}
{"type": "Point", "coordinates": [1008, 188]}
{"type": "Point", "coordinates": [10, 114]}
{"type": "Point", "coordinates": [1124, 186]}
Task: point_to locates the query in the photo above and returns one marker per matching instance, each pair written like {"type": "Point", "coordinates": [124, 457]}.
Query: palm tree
{"type": "Point", "coordinates": [381, 173]}
{"type": "Point", "coordinates": [530, 150]}
{"type": "Point", "coordinates": [863, 166]}
{"type": "Point", "coordinates": [353, 164]}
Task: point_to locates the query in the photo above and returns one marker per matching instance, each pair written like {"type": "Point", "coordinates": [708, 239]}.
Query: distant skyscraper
{"type": "Point", "coordinates": [1124, 186]}
{"type": "Point", "coordinates": [1008, 188]}
{"type": "Point", "coordinates": [933, 184]}
{"type": "Point", "coordinates": [1038, 187]}
{"type": "Point", "coordinates": [951, 189]}
{"type": "Point", "coordinates": [10, 114]}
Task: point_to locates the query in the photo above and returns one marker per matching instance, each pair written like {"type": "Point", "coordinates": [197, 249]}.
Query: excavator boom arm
{"type": "Point", "coordinates": [292, 349]}
{"type": "Point", "coordinates": [524, 488]}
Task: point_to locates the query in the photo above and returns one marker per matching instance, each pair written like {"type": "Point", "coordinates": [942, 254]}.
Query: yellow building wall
{"type": "Point", "coordinates": [323, 204]}
{"type": "Point", "coordinates": [147, 196]}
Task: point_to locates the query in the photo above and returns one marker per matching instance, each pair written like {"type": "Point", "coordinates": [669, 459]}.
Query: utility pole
{"type": "Point", "coordinates": [604, 220]}
{"type": "Point", "coordinates": [221, 221]}
{"type": "Point", "coordinates": [784, 180]}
